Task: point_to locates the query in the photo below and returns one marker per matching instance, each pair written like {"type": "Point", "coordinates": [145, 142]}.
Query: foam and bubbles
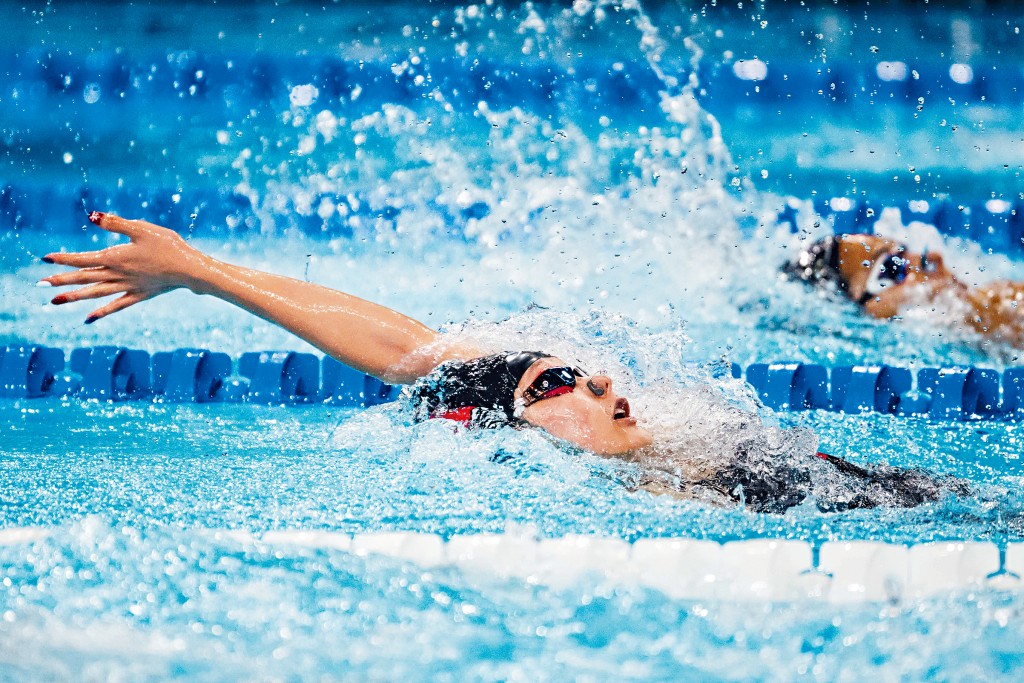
{"type": "Point", "coordinates": [636, 232]}
{"type": "Point", "coordinates": [99, 602]}
{"type": "Point", "coordinates": [651, 261]}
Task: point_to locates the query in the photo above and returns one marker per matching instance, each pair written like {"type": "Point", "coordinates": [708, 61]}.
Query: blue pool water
{"type": "Point", "coordinates": [501, 171]}
{"type": "Point", "coordinates": [143, 578]}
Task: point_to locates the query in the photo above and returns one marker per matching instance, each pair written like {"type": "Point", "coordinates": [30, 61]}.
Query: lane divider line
{"type": "Point", "coordinates": [114, 373]}
{"type": "Point", "coordinates": [756, 570]}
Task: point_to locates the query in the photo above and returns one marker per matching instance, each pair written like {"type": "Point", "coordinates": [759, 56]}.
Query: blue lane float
{"type": "Point", "coordinates": [112, 373]}
{"type": "Point", "coordinates": [281, 376]}
{"type": "Point", "coordinates": [790, 386]}
{"type": "Point", "coordinates": [878, 388]}
{"type": "Point", "coordinates": [344, 386]}
{"type": "Point", "coordinates": [210, 212]}
{"type": "Point", "coordinates": [1013, 391]}
{"type": "Point", "coordinates": [959, 393]}
{"type": "Point", "coordinates": [997, 225]}
{"type": "Point", "coordinates": [30, 371]}
{"type": "Point", "coordinates": [187, 375]}
{"type": "Point", "coordinates": [956, 393]}
{"type": "Point", "coordinates": [341, 384]}
{"type": "Point", "coordinates": [756, 82]}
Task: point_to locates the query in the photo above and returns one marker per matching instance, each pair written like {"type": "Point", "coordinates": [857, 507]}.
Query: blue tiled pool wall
{"type": "Point", "coordinates": [99, 88]}
{"type": "Point", "coordinates": [115, 373]}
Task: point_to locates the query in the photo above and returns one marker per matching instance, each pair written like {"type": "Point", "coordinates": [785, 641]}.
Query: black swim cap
{"type": "Point", "coordinates": [478, 392]}
{"type": "Point", "coordinates": [818, 264]}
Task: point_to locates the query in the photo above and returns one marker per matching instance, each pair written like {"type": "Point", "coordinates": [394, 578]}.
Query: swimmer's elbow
{"type": "Point", "coordinates": [411, 364]}
{"type": "Point", "coordinates": [404, 364]}
{"type": "Point", "coordinates": [396, 376]}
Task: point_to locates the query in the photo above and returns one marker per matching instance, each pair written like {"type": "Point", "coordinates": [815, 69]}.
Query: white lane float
{"type": "Point", "coordinates": [748, 570]}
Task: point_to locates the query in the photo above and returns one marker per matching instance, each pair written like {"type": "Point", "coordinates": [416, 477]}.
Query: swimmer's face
{"type": "Point", "coordinates": [592, 416]}
{"type": "Point", "coordinates": [886, 276]}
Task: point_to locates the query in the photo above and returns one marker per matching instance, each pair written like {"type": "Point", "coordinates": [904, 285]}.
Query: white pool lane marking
{"type": "Point", "coordinates": [759, 570]}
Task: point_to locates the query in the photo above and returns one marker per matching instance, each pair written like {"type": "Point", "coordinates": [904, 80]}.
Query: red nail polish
{"type": "Point", "coordinates": [96, 216]}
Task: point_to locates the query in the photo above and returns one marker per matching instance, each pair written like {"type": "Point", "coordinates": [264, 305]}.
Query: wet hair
{"type": "Point", "coordinates": [818, 264]}
{"type": "Point", "coordinates": [478, 392]}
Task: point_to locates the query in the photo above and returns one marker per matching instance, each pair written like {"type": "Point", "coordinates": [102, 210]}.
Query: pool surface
{"type": "Point", "coordinates": [595, 180]}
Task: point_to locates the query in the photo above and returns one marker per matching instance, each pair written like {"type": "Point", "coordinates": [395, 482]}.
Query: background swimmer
{"type": "Point", "coordinates": [765, 468]}
{"type": "Point", "coordinates": [885, 278]}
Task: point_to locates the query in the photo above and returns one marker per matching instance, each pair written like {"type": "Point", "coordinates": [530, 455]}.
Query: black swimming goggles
{"type": "Point", "coordinates": [891, 269]}
{"type": "Point", "coordinates": [552, 382]}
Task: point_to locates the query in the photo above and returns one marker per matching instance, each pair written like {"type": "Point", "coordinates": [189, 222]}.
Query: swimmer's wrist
{"type": "Point", "coordinates": [202, 275]}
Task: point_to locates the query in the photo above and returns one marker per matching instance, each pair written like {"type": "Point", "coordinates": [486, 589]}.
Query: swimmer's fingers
{"type": "Point", "coordinates": [84, 276]}
{"type": "Point", "coordinates": [133, 229]}
{"type": "Point", "coordinates": [156, 260]}
{"type": "Point", "coordinates": [119, 304]}
{"type": "Point", "coordinates": [81, 259]}
{"type": "Point", "coordinates": [121, 226]}
{"type": "Point", "coordinates": [96, 291]}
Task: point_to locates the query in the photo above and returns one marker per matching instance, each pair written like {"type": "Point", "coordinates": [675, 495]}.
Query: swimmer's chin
{"type": "Point", "coordinates": [638, 455]}
{"type": "Point", "coordinates": [574, 449]}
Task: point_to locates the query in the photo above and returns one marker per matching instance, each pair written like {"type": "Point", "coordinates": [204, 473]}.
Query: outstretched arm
{"type": "Point", "coordinates": [367, 336]}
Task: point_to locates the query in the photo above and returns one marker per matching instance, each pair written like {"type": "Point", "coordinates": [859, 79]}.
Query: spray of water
{"type": "Point", "coordinates": [634, 229]}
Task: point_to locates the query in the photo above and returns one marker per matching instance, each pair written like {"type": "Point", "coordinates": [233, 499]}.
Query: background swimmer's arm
{"type": "Point", "coordinates": [996, 309]}
{"type": "Point", "coordinates": [369, 337]}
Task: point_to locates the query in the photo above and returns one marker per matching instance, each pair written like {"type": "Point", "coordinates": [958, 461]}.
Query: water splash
{"type": "Point", "coordinates": [466, 199]}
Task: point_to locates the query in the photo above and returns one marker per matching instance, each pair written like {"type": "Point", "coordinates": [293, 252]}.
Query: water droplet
{"type": "Point", "coordinates": [91, 94]}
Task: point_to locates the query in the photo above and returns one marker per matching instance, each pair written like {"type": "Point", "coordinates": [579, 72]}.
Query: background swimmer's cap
{"type": "Point", "coordinates": [478, 392]}
{"type": "Point", "coordinates": [818, 264]}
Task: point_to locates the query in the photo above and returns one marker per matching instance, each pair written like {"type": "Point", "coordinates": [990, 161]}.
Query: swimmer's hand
{"type": "Point", "coordinates": [361, 334]}
{"type": "Point", "coordinates": [155, 261]}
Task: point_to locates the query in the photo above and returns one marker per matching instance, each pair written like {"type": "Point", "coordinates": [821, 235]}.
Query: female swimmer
{"type": "Point", "coordinates": [886, 279]}
{"type": "Point", "coordinates": [459, 382]}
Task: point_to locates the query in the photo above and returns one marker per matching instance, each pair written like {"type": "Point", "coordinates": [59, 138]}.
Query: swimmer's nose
{"type": "Point", "coordinates": [931, 262]}
{"type": "Point", "coordinates": [599, 385]}
{"type": "Point", "coordinates": [928, 263]}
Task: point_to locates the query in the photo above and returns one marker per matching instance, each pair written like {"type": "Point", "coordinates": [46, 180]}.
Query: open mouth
{"type": "Point", "coordinates": [621, 409]}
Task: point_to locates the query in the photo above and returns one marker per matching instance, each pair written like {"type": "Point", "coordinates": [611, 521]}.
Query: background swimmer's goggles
{"type": "Point", "coordinates": [552, 382]}
{"type": "Point", "coordinates": [891, 269]}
